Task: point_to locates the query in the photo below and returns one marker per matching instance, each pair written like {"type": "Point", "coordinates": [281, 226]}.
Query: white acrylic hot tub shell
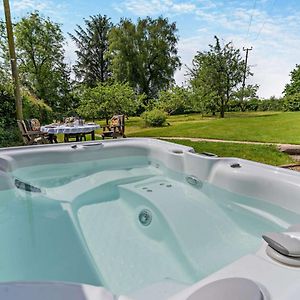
{"type": "Point", "coordinates": [275, 185]}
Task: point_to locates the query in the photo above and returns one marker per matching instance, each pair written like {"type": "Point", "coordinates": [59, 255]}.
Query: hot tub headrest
{"type": "Point", "coordinates": [284, 247]}
{"type": "Point", "coordinates": [286, 243]}
{"type": "Point", "coordinates": [229, 288]}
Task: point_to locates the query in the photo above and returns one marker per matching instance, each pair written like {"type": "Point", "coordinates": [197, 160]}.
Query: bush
{"type": "Point", "coordinates": [10, 136]}
{"type": "Point", "coordinates": [154, 118]}
{"type": "Point", "coordinates": [292, 102]}
{"type": "Point", "coordinates": [35, 108]}
{"type": "Point", "coordinates": [32, 108]}
{"type": "Point", "coordinates": [7, 106]}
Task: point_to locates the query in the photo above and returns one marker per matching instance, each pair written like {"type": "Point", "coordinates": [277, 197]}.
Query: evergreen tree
{"type": "Point", "coordinates": [92, 65]}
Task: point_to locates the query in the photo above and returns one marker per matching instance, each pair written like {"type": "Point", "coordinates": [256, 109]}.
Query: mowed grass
{"type": "Point", "coordinates": [271, 127]}
{"type": "Point", "coordinates": [261, 153]}
{"type": "Point", "coordinates": [274, 127]}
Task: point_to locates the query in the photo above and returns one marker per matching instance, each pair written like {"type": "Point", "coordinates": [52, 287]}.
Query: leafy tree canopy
{"type": "Point", "coordinates": [294, 86]}
{"type": "Point", "coordinates": [39, 45]}
{"type": "Point", "coordinates": [144, 54]}
{"type": "Point", "coordinates": [174, 100]}
{"type": "Point", "coordinates": [218, 72]}
{"type": "Point", "coordinates": [292, 102]}
{"type": "Point", "coordinates": [4, 59]}
{"type": "Point", "coordinates": [245, 95]}
{"type": "Point", "coordinates": [106, 100]}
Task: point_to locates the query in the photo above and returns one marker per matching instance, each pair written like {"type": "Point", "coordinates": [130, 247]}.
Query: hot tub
{"type": "Point", "coordinates": [141, 218]}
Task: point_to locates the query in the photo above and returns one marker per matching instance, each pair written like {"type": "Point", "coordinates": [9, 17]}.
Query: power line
{"type": "Point", "coordinates": [251, 18]}
{"type": "Point", "coordinates": [265, 21]}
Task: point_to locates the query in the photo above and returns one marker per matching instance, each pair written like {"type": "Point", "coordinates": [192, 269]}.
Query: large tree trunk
{"type": "Point", "coordinates": [222, 108]}
{"type": "Point", "coordinates": [222, 112]}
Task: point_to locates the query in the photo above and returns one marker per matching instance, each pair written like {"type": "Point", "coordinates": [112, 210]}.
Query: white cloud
{"type": "Point", "coordinates": [20, 5]}
{"type": "Point", "coordinates": [153, 7]}
{"type": "Point", "coordinates": [48, 7]}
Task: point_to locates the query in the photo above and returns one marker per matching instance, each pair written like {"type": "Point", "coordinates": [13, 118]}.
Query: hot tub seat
{"type": "Point", "coordinates": [20, 290]}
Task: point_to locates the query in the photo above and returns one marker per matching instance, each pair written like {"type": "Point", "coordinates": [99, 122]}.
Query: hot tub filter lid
{"type": "Point", "coordinates": [229, 288]}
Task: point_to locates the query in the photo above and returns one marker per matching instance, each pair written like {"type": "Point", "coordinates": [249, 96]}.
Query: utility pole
{"type": "Point", "coordinates": [245, 70]}
{"type": "Point", "coordinates": [13, 60]}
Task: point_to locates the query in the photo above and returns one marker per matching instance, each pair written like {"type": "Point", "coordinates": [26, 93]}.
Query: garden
{"type": "Point", "coordinates": [133, 75]}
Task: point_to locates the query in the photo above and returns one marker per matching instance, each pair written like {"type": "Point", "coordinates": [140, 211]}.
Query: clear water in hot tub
{"type": "Point", "coordinates": [124, 224]}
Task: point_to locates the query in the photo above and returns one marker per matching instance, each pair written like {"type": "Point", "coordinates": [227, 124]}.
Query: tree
{"type": "Point", "coordinates": [173, 100]}
{"type": "Point", "coordinates": [219, 72]}
{"type": "Point", "coordinates": [40, 52]}
{"type": "Point", "coordinates": [5, 73]}
{"type": "Point", "coordinates": [292, 102]}
{"type": "Point", "coordinates": [294, 86]}
{"type": "Point", "coordinates": [243, 96]}
{"type": "Point", "coordinates": [106, 100]}
{"type": "Point", "coordinates": [144, 54]}
{"type": "Point", "coordinates": [92, 65]}
{"type": "Point", "coordinates": [204, 100]}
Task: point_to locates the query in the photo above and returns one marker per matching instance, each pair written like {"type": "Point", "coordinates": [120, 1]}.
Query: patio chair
{"type": "Point", "coordinates": [35, 125]}
{"type": "Point", "coordinates": [115, 128]}
{"type": "Point", "coordinates": [31, 137]}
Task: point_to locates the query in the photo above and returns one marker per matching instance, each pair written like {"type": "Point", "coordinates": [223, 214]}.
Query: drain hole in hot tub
{"type": "Point", "coordinates": [145, 217]}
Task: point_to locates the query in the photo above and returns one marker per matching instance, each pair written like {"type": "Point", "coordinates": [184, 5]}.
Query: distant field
{"type": "Point", "coordinates": [275, 127]}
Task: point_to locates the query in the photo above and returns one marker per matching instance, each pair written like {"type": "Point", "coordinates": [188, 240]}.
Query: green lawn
{"type": "Point", "coordinates": [261, 153]}
{"type": "Point", "coordinates": [275, 127]}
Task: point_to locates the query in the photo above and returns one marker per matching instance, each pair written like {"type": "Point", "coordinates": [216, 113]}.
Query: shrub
{"type": "Point", "coordinates": [7, 106]}
{"type": "Point", "coordinates": [292, 102]}
{"type": "Point", "coordinates": [10, 136]}
{"type": "Point", "coordinates": [32, 108]}
{"type": "Point", "coordinates": [35, 108]}
{"type": "Point", "coordinates": [154, 118]}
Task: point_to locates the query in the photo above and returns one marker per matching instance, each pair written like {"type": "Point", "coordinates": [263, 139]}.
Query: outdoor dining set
{"type": "Point", "coordinates": [72, 129]}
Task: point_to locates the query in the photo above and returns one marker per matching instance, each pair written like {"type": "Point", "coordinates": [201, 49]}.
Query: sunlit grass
{"type": "Point", "coordinates": [275, 127]}
{"type": "Point", "coordinates": [260, 153]}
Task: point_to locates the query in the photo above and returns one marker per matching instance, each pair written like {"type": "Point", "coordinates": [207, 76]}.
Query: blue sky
{"type": "Point", "coordinates": [272, 27]}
